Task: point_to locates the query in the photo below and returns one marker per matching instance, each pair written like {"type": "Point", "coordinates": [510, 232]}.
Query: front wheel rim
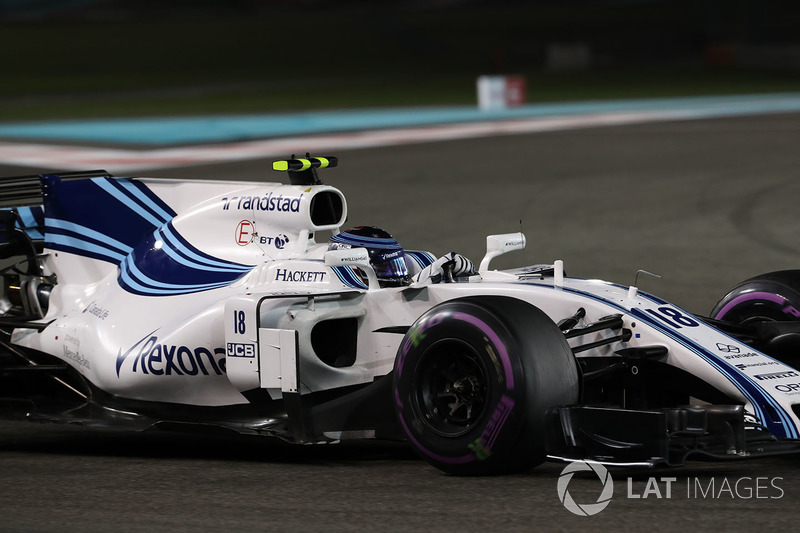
{"type": "Point", "coordinates": [450, 388]}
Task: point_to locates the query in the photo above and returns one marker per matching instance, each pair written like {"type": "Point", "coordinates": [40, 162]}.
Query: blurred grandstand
{"type": "Point", "coordinates": [133, 57]}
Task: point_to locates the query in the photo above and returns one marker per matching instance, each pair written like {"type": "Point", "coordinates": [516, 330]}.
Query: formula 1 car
{"type": "Point", "coordinates": [164, 304]}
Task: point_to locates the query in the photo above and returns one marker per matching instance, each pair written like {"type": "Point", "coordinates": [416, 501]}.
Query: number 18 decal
{"type": "Point", "coordinates": [673, 317]}
{"type": "Point", "coordinates": [239, 322]}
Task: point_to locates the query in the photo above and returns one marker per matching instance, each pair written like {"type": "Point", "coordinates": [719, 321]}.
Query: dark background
{"type": "Point", "coordinates": [151, 57]}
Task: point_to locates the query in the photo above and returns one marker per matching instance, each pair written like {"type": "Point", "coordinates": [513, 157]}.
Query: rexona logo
{"type": "Point", "coordinates": [585, 509]}
{"type": "Point", "coordinates": [154, 358]}
{"type": "Point", "coordinates": [268, 203]}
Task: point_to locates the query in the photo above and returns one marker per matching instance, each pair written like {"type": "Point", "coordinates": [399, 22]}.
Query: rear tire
{"type": "Point", "coordinates": [473, 380]}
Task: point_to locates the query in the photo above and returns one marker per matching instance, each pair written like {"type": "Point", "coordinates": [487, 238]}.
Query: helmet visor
{"type": "Point", "coordinates": [390, 264]}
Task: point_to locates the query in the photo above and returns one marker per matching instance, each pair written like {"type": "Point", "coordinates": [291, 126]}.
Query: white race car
{"type": "Point", "coordinates": [151, 303]}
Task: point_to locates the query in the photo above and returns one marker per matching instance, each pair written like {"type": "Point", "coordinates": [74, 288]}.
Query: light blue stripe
{"type": "Point", "coordinates": [723, 368]}
{"type": "Point", "coordinates": [129, 266]}
{"type": "Point", "coordinates": [730, 369]}
{"type": "Point", "coordinates": [175, 256]}
{"type": "Point", "coordinates": [375, 242]}
{"type": "Point", "coordinates": [423, 259]}
{"type": "Point", "coordinates": [706, 357]}
{"type": "Point", "coordinates": [200, 262]}
{"type": "Point", "coordinates": [86, 232]}
{"type": "Point", "coordinates": [27, 222]}
{"type": "Point", "coordinates": [130, 187]}
{"type": "Point", "coordinates": [759, 412]}
{"type": "Point", "coordinates": [132, 205]}
{"type": "Point", "coordinates": [156, 292]}
{"type": "Point", "coordinates": [65, 240]}
{"type": "Point", "coordinates": [26, 217]}
{"type": "Point", "coordinates": [349, 278]}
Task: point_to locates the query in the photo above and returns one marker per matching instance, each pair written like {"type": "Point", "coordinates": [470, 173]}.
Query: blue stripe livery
{"type": "Point", "coordinates": [422, 259]}
{"type": "Point", "coordinates": [759, 399]}
{"type": "Point", "coordinates": [121, 221]}
{"type": "Point", "coordinates": [366, 242]}
{"type": "Point", "coordinates": [165, 264]}
{"type": "Point", "coordinates": [348, 276]}
{"type": "Point", "coordinates": [30, 220]}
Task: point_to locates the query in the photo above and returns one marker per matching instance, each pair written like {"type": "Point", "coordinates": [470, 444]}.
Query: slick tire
{"type": "Point", "coordinates": [769, 297]}
{"type": "Point", "coordinates": [774, 296]}
{"type": "Point", "coordinates": [473, 379]}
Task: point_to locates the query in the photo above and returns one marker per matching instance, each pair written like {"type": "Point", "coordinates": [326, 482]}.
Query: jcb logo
{"type": "Point", "coordinates": [236, 349]}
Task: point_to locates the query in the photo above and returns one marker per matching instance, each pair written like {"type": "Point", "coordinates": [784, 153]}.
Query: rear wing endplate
{"type": "Point", "coordinates": [22, 191]}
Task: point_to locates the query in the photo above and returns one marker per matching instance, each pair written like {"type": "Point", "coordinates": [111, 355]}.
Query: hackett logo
{"type": "Point", "coordinates": [299, 276]}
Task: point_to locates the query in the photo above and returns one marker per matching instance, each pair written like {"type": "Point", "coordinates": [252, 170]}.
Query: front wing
{"type": "Point", "coordinates": [667, 436]}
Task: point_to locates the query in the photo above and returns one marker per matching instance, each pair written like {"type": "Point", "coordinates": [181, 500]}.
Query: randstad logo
{"type": "Point", "coordinates": [585, 509]}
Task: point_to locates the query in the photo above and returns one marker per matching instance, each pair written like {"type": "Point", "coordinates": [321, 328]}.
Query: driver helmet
{"type": "Point", "coordinates": [385, 253]}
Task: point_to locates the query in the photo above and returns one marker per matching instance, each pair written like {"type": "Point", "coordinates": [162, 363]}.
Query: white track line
{"type": "Point", "coordinates": [117, 160]}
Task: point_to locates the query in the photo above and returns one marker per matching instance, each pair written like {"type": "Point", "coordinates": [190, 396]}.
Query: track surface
{"type": "Point", "coordinates": [703, 203]}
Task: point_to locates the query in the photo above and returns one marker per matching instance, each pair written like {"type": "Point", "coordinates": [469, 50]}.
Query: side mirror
{"type": "Point", "coordinates": [353, 257]}
{"type": "Point", "coordinates": [497, 245]}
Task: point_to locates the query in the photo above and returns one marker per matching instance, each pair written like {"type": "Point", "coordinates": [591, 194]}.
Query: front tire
{"type": "Point", "coordinates": [772, 297]}
{"type": "Point", "coordinates": [473, 379]}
